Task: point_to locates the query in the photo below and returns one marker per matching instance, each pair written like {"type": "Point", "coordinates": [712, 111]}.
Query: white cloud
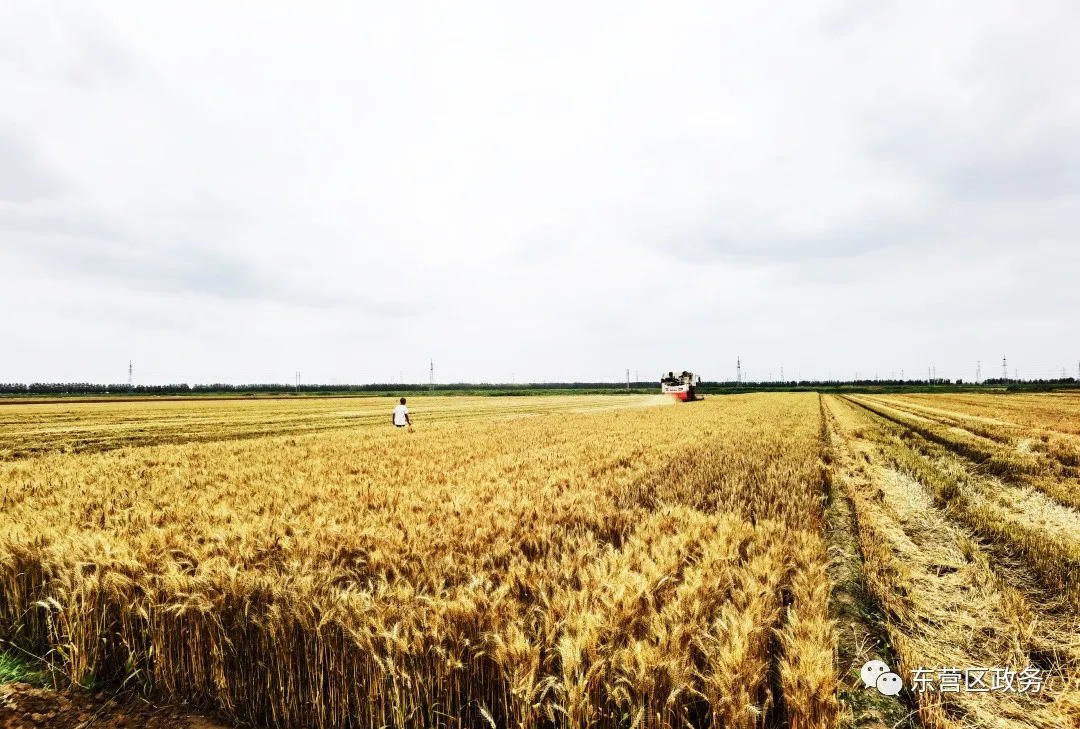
{"type": "Point", "coordinates": [236, 191]}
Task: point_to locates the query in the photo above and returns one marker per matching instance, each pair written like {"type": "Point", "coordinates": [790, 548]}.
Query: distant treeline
{"type": "Point", "coordinates": [87, 388]}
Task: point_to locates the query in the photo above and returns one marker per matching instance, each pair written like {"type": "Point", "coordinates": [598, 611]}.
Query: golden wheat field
{"type": "Point", "coordinates": [607, 561]}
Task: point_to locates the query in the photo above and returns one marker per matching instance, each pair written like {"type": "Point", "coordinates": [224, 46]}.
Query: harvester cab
{"type": "Point", "coordinates": [682, 386]}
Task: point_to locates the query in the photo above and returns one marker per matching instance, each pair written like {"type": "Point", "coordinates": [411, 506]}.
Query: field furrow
{"type": "Point", "coordinates": [951, 599]}
{"type": "Point", "coordinates": [1050, 467]}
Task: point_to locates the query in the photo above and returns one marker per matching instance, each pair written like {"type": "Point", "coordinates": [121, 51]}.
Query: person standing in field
{"type": "Point", "coordinates": [401, 415]}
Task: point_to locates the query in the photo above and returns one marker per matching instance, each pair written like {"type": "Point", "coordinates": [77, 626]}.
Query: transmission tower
{"type": "Point", "coordinates": [627, 378]}
{"type": "Point", "coordinates": [781, 374]}
{"type": "Point", "coordinates": [131, 370]}
{"type": "Point", "coordinates": [738, 370]}
{"type": "Point", "coordinates": [978, 371]}
{"type": "Point", "coordinates": [1004, 368]}
{"type": "Point", "coordinates": [431, 375]}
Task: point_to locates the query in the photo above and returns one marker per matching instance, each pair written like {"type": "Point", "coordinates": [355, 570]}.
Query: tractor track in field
{"type": "Point", "coordinates": [950, 596]}
{"type": "Point", "coordinates": [861, 633]}
{"type": "Point", "coordinates": [1018, 515]}
{"type": "Point", "coordinates": [1009, 461]}
{"type": "Point", "coordinates": [995, 432]}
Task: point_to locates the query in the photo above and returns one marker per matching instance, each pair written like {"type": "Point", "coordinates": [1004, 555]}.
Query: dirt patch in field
{"type": "Point", "coordinates": [23, 706]}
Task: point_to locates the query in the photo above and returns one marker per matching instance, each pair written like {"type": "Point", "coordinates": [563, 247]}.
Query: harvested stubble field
{"type": "Point", "coordinates": [550, 561]}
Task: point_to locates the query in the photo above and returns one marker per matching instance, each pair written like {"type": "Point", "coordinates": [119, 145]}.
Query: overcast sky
{"type": "Point", "coordinates": [230, 192]}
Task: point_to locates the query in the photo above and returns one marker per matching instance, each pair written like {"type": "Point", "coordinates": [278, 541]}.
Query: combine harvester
{"type": "Point", "coordinates": [682, 387]}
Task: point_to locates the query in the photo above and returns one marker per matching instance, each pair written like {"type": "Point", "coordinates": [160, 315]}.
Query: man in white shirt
{"type": "Point", "coordinates": [401, 415]}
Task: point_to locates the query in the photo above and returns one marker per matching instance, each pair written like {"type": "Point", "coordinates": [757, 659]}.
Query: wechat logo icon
{"type": "Point", "coordinates": [876, 674]}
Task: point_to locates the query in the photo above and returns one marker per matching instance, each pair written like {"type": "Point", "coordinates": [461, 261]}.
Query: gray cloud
{"type": "Point", "coordinates": [995, 167]}
{"type": "Point", "coordinates": [66, 43]}
{"type": "Point", "coordinates": [24, 175]}
{"type": "Point", "coordinates": [186, 269]}
{"type": "Point", "coordinates": [1045, 171]}
{"type": "Point", "coordinates": [90, 249]}
{"type": "Point", "coordinates": [851, 15]}
{"type": "Point", "coordinates": [796, 249]}
{"type": "Point", "coordinates": [27, 224]}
